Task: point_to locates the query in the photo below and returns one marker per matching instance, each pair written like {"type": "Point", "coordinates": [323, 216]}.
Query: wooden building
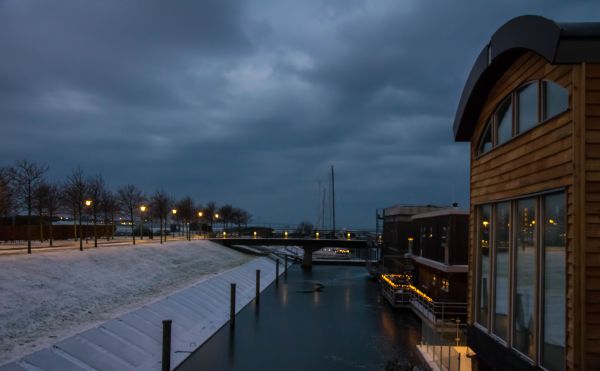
{"type": "Point", "coordinates": [531, 111]}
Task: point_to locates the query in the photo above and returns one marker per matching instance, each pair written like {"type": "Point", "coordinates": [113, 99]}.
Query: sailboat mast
{"type": "Point", "coordinates": [333, 199]}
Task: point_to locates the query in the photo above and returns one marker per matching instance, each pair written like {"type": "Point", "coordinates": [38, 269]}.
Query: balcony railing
{"type": "Point", "coordinates": [404, 294]}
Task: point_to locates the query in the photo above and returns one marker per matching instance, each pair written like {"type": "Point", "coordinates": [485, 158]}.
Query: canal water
{"type": "Point", "coordinates": [331, 318]}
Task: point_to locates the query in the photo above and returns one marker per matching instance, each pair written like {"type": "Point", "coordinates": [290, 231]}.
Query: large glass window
{"type": "Point", "coordinates": [532, 100]}
{"type": "Point", "coordinates": [556, 99]}
{"type": "Point", "coordinates": [527, 107]}
{"type": "Point", "coordinates": [486, 140]}
{"type": "Point", "coordinates": [504, 121]}
{"type": "Point", "coordinates": [553, 345]}
{"type": "Point", "coordinates": [527, 281]}
{"type": "Point", "coordinates": [525, 274]}
{"type": "Point", "coordinates": [484, 264]}
{"type": "Point", "coordinates": [501, 254]}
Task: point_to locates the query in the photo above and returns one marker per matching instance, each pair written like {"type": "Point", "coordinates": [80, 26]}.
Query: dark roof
{"type": "Point", "coordinates": [557, 43]}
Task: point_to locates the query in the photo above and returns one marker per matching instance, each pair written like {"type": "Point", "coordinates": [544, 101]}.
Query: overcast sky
{"type": "Point", "coordinates": [251, 102]}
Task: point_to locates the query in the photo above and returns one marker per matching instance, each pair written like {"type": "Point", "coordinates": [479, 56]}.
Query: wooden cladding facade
{"type": "Point", "coordinates": [562, 153]}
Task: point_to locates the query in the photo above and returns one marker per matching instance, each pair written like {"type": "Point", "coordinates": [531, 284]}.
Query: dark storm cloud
{"type": "Point", "coordinates": [250, 102]}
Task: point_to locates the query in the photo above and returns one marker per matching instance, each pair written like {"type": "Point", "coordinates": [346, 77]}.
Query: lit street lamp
{"type": "Point", "coordinates": [142, 210]}
{"type": "Point", "coordinates": [200, 214]}
{"type": "Point", "coordinates": [87, 203]}
{"type": "Point", "coordinates": [174, 212]}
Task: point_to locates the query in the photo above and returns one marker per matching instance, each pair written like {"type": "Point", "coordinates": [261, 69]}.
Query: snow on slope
{"type": "Point", "coordinates": [49, 296]}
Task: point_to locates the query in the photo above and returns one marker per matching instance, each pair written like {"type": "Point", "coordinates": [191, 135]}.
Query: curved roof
{"type": "Point", "coordinates": [557, 43]}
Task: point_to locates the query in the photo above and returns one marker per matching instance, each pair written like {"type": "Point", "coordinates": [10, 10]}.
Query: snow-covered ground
{"type": "Point", "coordinates": [49, 296]}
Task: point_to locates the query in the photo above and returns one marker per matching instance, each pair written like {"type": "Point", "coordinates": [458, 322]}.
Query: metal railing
{"type": "Point", "coordinates": [442, 345]}
{"type": "Point", "coordinates": [439, 311]}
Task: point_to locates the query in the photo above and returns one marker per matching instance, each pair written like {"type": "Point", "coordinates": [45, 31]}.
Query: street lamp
{"type": "Point", "coordinates": [87, 203]}
{"type": "Point", "coordinates": [200, 215]}
{"type": "Point", "coordinates": [285, 234]}
{"type": "Point", "coordinates": [142, 210]}
{"type": "Point", "coordinates": [216, 217]}
{"type": "Point", "coordinates": [174, 212]}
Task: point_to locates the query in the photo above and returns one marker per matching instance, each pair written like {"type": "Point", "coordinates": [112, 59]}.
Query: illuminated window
{"type": "Point", "coordinates": [483, 271]}
{"type": "Point", "coordinates": [445, 285]}
{"type": "Point", "coordinates": [527, 240]}
{"type": "Point", "coordinates": [501, 278]}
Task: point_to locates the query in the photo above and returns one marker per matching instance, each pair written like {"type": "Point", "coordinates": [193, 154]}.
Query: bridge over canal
{"type": "Point", "coordinates": [309, 245]}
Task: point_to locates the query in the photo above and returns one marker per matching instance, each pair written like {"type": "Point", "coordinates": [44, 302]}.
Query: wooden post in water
{"type": "Point", "coordinates": [166, 346]}
{"type": "Point", "coordinates": [286, 265]}
{"type": "Point", "coordinates": [257, 285]}
{"type": "Point", "coordinates": [277, 272]}
{"type": "Point", "coordinates": [232, 305]}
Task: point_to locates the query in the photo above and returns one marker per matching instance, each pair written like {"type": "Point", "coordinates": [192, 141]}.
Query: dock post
{"type": "Point", "coordinates": [277, 272]}
{"type": "Point", "coordinates": [166, 346]}
{"type": "Point", "coordinates": [257, 285]}
{"type": "Point", "coordinates": [286, 265]}
{"type": "Point", "coordinates": [232, 305]}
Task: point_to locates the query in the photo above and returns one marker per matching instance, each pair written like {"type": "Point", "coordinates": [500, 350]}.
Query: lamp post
{"type": "Point", "coordinates": [142, 210]}
{"type": "Point", "coordinates": [174, 212]}
{"type": "Point", "coordinates": [200, 214]}
{"type": "Point", "coordinates": [216, 217]}
{"type": "Point", "coordinates": [87, 203]}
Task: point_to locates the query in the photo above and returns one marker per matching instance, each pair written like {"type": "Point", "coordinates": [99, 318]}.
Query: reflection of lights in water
{"type": "Point", "coordinates": [285, 296]}
{"type": "Point", "coordinates": [316, 298]}
{"type": "Point", "coordinates": [388, 325]}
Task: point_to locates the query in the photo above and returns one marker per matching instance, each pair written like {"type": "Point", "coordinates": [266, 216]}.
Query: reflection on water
{"type": "Point", "coordinates": [331, 318]}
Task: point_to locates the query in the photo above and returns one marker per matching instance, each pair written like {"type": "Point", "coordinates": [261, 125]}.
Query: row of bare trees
{"type": "Point", "coordinates": [25, 189]}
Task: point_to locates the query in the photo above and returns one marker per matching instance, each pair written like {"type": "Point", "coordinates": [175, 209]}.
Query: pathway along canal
{"type": "Point", "coordinates": [331, 318]}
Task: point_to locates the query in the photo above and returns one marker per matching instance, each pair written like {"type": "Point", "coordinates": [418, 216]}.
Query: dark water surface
{"type": "Point", "coordinates": [346, 325]}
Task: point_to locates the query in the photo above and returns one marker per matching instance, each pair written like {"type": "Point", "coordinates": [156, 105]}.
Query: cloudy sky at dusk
{"type": "Point", "coordinates": [250, 102]}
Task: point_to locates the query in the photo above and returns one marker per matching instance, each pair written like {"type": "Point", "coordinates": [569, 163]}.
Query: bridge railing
{"type": "Point", "coordinates": [263, 232]}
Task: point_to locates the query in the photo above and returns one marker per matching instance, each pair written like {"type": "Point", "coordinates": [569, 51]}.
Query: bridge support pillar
{"type": "Point", "coordinates": [308, 258]}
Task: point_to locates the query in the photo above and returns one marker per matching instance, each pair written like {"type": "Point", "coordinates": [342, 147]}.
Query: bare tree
{"type": "Point", "coordinates": [52, 205]}
{"type": "Point", "coordinates": [110, 207]}
{"type": "Point", "coordinates": [160, 203]}
{"type": "Point", "coordinates": [26, 177]}
{"type": "Point", "coordinates": [6, 193]}
{"type": "Point", "coordinates": [40, 194]}
{"type": "Point", "coordinates": [226, 213]}
{"type": "Point", "coordinates": [239, 217]}
{"type": "Point", "coordinates": [47, 201]}
{"type": "Point", "coordinates": [75, 192]}
{"type": "Point", "coordinates": [185, 209]}
{"type": "Point", "coordinates": [130, 198]}
{"type": "Point", "coordinates": [210, 212]}
{"type": "Point", "coordinates": [95, 190]}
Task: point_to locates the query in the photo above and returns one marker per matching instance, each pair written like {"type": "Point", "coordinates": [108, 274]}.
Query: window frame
{"type": "Point", "coordinates": [539, 203]}
{"type": "Point", "coordinates": [492, 122]}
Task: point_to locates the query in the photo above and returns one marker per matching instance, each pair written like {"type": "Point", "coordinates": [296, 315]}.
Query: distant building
{"type": "Point", "coordinates": [438, 248]}
{"type": "Point", "coordinates": [428, 272]}
{"type": "Point", "coordinates": [531, 111]}
{"type": "Point", "coordinates": [397, 228]}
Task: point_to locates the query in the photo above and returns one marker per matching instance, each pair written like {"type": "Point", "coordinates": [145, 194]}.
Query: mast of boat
{"type": "Point", "coordinates": [333, 200]}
